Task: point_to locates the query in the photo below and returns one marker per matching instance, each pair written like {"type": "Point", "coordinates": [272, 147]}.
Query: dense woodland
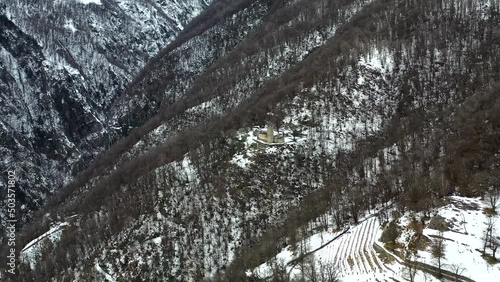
{"type": "Point", "coordinates": [422, 126]}
{"type": "Point", "coordinates": [63, 64]}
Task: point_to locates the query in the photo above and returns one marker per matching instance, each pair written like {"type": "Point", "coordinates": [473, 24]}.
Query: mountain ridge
{"type": "Point", "coordinates": [64, 65]}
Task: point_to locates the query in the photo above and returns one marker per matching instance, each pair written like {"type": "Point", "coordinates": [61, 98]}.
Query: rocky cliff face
{"type": "Point", "coordinates": [62, 64]}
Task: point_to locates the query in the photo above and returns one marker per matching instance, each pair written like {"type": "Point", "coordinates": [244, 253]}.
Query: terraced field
{"type": "Point", "coordinates": [354, 256]}
{"type": "Point", "coordinates": [351, 253]}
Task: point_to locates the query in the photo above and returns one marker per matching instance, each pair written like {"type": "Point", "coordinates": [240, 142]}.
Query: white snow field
{"type": "Point", "coordinates": [355, 258]}
{"type": "Point", "coordinates": [352, 254]}
{"type": "Point", "coordinates": [467, 222]}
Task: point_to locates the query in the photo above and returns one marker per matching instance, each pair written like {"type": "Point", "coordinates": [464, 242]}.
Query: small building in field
{"type": "Point", "coordinates": [268, 135]}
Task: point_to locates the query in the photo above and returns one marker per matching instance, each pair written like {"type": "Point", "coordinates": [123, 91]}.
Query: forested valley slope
{"type": "Point", "coordinates": [375, 103]}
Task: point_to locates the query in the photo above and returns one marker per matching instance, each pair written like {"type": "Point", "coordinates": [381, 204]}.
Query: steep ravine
{"type": "Point", "coordinates": [62, 64]}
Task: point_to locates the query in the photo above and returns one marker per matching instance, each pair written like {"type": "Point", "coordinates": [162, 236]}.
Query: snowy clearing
{"type": "Point", "coordinates": [30, 252]}
{"type": "Point", "coordinates": [467, 221]}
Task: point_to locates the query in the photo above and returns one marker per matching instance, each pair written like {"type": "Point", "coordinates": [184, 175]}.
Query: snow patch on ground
{"type": "Point", "coordinates": [104, 273]}
{"type": "Point", "coordinates": [379, 59]}
{"type": "Point", "coordinates": [463, 242]}
{"type": "Point", "coordinates": [29, 254]}
{"type": "Point", "coordinates": [70, 25]}
{"type": "Point", "coordinates": [85, 2]}
{"type": "Point", "coordinates": [352, 253]}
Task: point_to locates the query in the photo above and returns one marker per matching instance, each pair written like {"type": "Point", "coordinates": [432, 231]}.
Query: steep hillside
{"type": "Point", "coordinates": [457, 242]}
{"type": "Point", "coordinates": [62, 64]}
{"type": "Point", "coordinates": [383, 104]}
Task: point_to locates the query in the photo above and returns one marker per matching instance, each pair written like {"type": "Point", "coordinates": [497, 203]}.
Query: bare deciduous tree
{"type": "Point", "coordinates": [457, 270]}
{"type": "Point", "coordinates": [317, 271]}
{"type": "Point", "coordinates": [411, 264]}
{"type": "Point", "coordinates": [490, 226]}
{"type": "Point", "coordinates": [494, 197]}
{"type": "Point", "coordinates": [438, 250]}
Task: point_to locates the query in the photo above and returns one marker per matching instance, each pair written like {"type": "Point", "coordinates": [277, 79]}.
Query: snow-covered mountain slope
{"type": "Point", "coordinates": [467, 247]}
{"type": "Point", "coordinates": [62, 65]}
{"type": "Point", "coordinates": [357, 254]}
{"type": "Point", "coordinates": [349, 252]}
{"type": "Point", "coordinates": [374, 98]}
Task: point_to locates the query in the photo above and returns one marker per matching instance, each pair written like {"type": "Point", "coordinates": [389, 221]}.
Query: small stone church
{"type": "Point", "coordinates": [268, 135]}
